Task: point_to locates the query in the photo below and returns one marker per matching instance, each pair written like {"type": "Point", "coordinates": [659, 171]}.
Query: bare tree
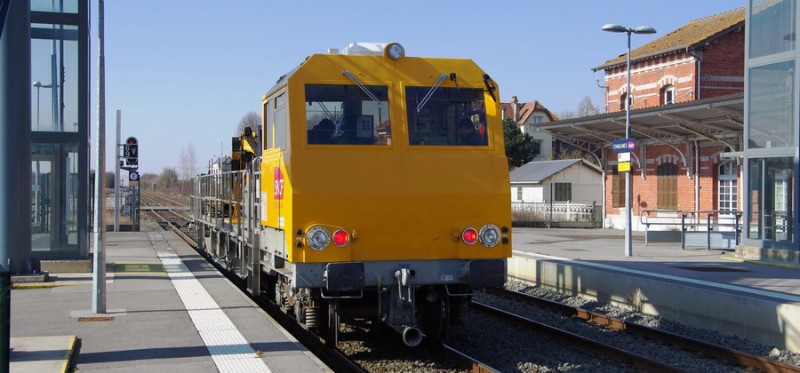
{"type": "Point", "coordinates": [188, 164]}
{"type": "Point", "coordinates": [586, 107]}
{"type": "Point", "coordinates": [251, 119]}
{"type": "Point", "coordinates": [168, 179]}
{"type": "Point", "coordinates": [567, 115]}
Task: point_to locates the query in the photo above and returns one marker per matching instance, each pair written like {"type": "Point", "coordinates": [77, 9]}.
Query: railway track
{"type": "Point", "coordinates": [355, 355]}
{"type": "Point", "coordinates": [337, 358]}
{"type": "Point", "coordinates": [670, 340]}
{"type": "Point", "coordinates": [164, 209]}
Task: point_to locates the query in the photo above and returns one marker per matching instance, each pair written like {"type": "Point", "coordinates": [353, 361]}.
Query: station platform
{"type": "Point", "coordinates": [711, 289]}
{"type": "Point", "coordinates": [167, 310]}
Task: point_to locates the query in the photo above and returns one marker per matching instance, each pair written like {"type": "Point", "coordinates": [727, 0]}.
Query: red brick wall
{"type": "Point", "coordinates": [723, 66]}
{"type": "Point", "coordinates": [722, 69]}
{"type": "Point", "coordinates": [645, 190]}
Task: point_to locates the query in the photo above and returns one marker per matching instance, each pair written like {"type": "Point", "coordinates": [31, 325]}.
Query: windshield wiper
{"type": "Point", "coordinates": [363, 88]}
{"type": "Point", "coordinates": [366, 92]}
{"type": "Point", "coordinates": [489, 86]}
{"type": "Point", "coordinates": [430, 92]}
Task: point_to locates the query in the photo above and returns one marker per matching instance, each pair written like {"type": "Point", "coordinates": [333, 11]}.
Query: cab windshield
{"type": "Point", "coordinates": [345, 115]}
{"type": "Point", "coordinates": [450, 116]}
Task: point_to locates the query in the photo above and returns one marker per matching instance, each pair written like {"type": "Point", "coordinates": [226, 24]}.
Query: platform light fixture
{"type": "Point", "coordinates": [628, 187]}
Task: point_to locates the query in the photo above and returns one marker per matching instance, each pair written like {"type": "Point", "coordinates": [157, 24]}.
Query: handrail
{"type": "Point", "coordinates": [696, 219]}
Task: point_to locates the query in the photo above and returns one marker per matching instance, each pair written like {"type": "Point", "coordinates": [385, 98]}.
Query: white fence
{"type": "Point", "coordinates": [533, 213]}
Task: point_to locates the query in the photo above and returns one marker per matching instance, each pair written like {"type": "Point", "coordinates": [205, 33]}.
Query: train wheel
{"type": "Point", "coordinates": [434, 311]}
{"type": "Point", "coordinates": [280, 296]}
{"type": "Point", "coordinates": [331, 334]}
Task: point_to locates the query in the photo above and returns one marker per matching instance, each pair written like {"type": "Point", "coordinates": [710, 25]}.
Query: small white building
{"type": "Point", "coordinates": [567, 180]}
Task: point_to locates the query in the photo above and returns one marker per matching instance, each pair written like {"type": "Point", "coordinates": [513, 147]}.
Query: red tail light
{"type": "Point", "coordinates": [469, 236]}
{"type": "Point", "coordinates": [341, 238]}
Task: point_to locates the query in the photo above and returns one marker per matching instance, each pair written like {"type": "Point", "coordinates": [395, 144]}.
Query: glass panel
{"type": "Point", "coordinates": [54, 197]}
{"type": "Point", "coordinates": [72, 188]}
{"type": "Point", "coordinates": [41, 193]}
{"type": "Point", "coordinates": [58, 6]}
{"type": "Point", "coordinates": [269, 131]}
{"type": "Point", "coordinates": [772, 27]}
{"type": "Point", "coordinates": [54, 72]}
{"type": "Point", "coordinates": [771, 106]}
{"type": "Point", "coordinates": [451, 116]}
{"type": "Point", "coordinates": [344, 114]}
{"type": "Point", "coordinates": [772, 199]}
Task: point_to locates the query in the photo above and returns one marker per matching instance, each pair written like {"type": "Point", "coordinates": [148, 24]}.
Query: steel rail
{"type": "Point", "coordinates": [719, 352]}
{"type": "Point", "coordinates": [611, 352]}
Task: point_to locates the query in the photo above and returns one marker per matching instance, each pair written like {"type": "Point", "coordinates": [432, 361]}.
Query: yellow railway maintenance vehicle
{"type": "Point", "coordinates": [377, 187]}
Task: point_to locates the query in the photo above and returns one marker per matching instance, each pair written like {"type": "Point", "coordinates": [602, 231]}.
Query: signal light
{"type": "Point", "coordinates": [131, 151]}
{"type": "Point", "coordinates": [318, 238]}
{"type": "Point", "coordinates": [469, 236]}
{"type": "Point", "coordinates": [341, 238]}
{"type": "Point", "coordinates": [489, 235]}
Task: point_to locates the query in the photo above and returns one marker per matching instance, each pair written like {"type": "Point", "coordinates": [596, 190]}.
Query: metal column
{"type": "Point", "coordinates": [15, 136]}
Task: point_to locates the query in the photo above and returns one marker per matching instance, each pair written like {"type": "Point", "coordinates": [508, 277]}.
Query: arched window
{"type": "Point", "coordinates": [727, 187]}
{"type": "Point", "coordinates": [622, 101]}
{"type": "Point", "coordinates": [668, 94]}
{"type": "Point", "coordinates": [667, 187]}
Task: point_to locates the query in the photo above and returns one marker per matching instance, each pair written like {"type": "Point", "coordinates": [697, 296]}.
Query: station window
{"type": "Point", "coordinates": [347, 115]}
{"type": "Point", "coordinates": [622, 101]}
{"type": "Point", "coordinates": [667, 187]}
{"type": "Point", "coordinates": [446, 116]}
{"type": "Point", "coordinates": [668, 94]}
{"type": "Point", "coordinates": [728, 194]}
{"type": "Point", "coordinates": [617, 189]}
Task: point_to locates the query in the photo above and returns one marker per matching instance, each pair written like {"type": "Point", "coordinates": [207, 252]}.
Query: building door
{"type": "Point", "coordinates": [44, 202]}
{"type": "Point", "coordinates": [771, 199]}
{"type": "Point", "coordinates": [728, 194]}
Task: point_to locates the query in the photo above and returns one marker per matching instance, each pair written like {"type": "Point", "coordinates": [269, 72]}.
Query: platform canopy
{"type": "Point", "coordinates": [717, 119]}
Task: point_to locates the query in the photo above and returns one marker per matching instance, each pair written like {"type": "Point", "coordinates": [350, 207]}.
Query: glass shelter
{"type": "Point", "coordinates": [59, 92]}
{"type": "Point", "coordinates": [771, 125]}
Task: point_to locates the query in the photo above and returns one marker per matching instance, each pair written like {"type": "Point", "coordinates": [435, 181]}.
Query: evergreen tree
{"type": "Point", "coordinates": [520, 148]}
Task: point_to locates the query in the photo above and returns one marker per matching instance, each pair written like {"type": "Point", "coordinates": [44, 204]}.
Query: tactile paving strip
{"type": "Point", "coordinates": [228, 347]}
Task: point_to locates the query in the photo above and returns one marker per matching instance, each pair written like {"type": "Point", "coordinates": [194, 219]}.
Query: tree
{"type": "Point", "coordinates": [168, 180]}
{"type": "Point", "coordinates": [188, 160]}
{"type": "Point", "coordinates": [520, 148]}
{"type": "Point", "coordinates": [587, 108]}
{"type": "Point", "coordinates": [110, 180]}
{"type": "Point", "coordinates": [252, 120]}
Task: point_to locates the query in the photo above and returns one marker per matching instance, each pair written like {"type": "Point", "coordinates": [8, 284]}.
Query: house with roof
{"type": "Point", "coordinates": [569, 188]}
{"type": "Point", "coordinates": [529, 116]}
{"type": "Point", "coordinates": [687, 120]}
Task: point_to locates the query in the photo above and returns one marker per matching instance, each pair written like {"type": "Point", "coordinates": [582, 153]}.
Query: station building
{"type": "Point", "coordinates": [687, 118]}
{"type": "Point", "coordinates": [714, 116]}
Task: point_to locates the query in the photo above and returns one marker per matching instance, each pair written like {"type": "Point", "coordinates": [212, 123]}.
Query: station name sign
{"type": "Point", "coordinates": [623, 146]}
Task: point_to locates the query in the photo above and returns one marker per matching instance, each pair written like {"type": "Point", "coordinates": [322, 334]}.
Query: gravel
{"type": "Point", "coordinates": [509, 348]}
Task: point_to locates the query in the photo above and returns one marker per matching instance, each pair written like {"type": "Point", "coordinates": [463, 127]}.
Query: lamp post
{"type": "Point", "coordinates": [38, 86]}
{"type": "Point", "coordinates": [628, 187]}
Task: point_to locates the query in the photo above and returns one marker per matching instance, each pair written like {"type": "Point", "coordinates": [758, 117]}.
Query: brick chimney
{"type": "Point", "coordinates": [515, 108]}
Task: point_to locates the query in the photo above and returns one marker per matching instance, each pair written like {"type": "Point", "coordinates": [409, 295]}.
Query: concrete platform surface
{"type": "Point", "coordinates": [710, 289]}
{"type": "Point", "coordinates": [167, 310]}
{"type": "Point", "coordinates": [41, 354]}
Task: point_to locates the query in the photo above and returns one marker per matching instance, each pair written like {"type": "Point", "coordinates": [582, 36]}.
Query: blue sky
{"type": "Point", "coordinates": [186, 71]}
